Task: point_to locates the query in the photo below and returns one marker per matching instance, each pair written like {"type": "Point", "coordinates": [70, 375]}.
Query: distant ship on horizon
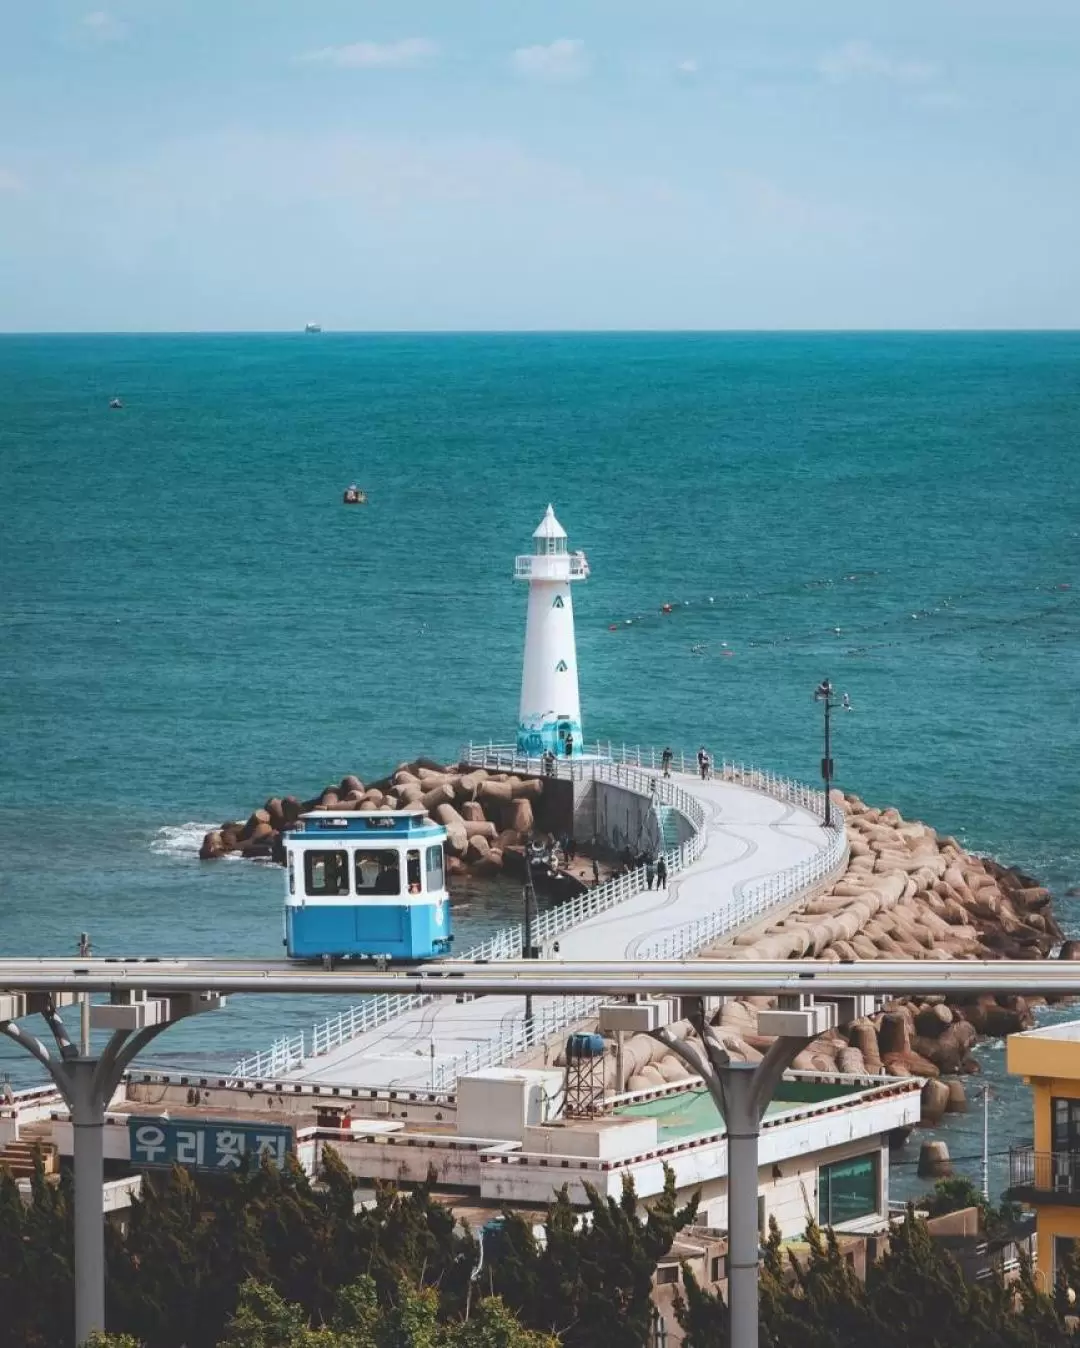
{"type": "Point", "coordinates": [313, 327]}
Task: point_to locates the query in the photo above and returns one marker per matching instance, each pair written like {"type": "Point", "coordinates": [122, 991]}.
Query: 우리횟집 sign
{"type": "Point", "coordinates": [205, 1144]}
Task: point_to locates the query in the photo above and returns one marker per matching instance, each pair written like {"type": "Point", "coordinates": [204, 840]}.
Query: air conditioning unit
{"type": "Point", "coordinates": [635, 1017]}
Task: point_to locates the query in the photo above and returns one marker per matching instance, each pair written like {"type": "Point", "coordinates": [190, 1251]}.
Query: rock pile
{"type": "Point", "coordinates": [484, 813]}
{"type": "Point", "coordinates": [908, 894]}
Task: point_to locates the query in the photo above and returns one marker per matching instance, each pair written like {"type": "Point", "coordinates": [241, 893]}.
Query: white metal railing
{"type": "Point", "coordinates": [520, 1038]}
{"type": "Point", "coordinates": [752, 900]}
{"type": "Point", "coordinates": [551, 566]}
{"type": "Point", "coordinates": [638, 769]}
{"type": "Point", "coordinates": [507, 758]}
{"type": "Point", "coordinates": [282, 1055]}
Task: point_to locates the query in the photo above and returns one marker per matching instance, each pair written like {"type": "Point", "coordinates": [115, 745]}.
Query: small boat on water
{"type": "Point", "coordinates": [114, 403]}
{"type": "Point", "coordinates": [313, 327]}
{"type": "Point", "coordinates": [354, 496]}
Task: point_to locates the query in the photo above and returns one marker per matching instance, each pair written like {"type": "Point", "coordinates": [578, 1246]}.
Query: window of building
{"type": "Point", "coordinates": [435, 880]}
{"type": "Point", "coordinates": [377, 871]}
{"type": "Point", "coordinates": [1064, 1251]}
{"type": "Point", "coordinates": [762, 1217]}
{"type": "Point", "coordinates": [718, 1268]}
{"type": "Point", "coordinates": [848, 1190]}
{"type": "Point", "coordinates": [1066, 1125]}
{"type": "Point", "coordinates": [667, 1273]}
{"type": "Point", "coordinates": [325, 872]}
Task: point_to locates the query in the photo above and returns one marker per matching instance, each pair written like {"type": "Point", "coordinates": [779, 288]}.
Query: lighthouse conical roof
{"type": "Point", "coordinates": [549, 526]}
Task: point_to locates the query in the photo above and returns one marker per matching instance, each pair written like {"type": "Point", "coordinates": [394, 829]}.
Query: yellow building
{"type": "Point", "coordinates": [1046, 1174]}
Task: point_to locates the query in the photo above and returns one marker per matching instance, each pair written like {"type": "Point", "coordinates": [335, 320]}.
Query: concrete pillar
{"type": "Point", "coordinates": [743, 1125]}
{"type": "Point", "coordinates": [742, 1092]}
{"type": "Point", "coordinates": [88, 1127]}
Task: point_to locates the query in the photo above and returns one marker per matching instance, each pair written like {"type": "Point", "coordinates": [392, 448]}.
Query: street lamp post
{"type": "Point", "coordinates": [825, 694]}
{"type": "Point", "coordinates": [530, 951]}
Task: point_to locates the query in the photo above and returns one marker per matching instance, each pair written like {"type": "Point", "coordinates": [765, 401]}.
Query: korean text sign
{"type": "Point", "coordinates": [205, 1144]}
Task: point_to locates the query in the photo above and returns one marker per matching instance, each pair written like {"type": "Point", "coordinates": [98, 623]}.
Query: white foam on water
{"type": "Point", "coordinates": [180, 840]}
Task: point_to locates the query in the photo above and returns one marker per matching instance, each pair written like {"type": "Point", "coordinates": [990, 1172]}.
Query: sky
{"type": "Point", "coordinates": [521, 164]}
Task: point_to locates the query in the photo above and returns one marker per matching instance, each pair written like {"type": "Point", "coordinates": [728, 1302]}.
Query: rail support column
{"type": "Point", "coordinates": [87, 1085]}
{"type": "Point", "coordinates": [742, 1092]}
{"type": "Point", "coordinates": [88, 1128]}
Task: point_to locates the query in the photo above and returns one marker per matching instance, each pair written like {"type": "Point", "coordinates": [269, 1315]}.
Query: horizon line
{"type": "Point", "coordinates": [535, 331]}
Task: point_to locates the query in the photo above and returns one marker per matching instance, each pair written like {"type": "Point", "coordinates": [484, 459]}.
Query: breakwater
{"type": "Point", "coordinates": [486, 814]}
{"type": "Point", "coordinates": [907, 893]}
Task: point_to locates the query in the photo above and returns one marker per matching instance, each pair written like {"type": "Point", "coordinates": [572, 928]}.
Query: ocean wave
{"type": "Point", "coordinates": [180, 840]}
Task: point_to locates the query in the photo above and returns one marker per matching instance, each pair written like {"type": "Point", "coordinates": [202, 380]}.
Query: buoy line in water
{"type": "Point", "coordinates": [950, 608]}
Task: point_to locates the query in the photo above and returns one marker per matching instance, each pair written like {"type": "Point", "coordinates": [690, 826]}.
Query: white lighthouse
{"type": "Point", "coordinates": [550, 711]}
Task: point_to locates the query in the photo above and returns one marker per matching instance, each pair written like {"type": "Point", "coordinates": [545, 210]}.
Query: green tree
{"type": "Point", "coordinates": [591, 1280]}
{"type": "Point", "coordinates": [263, 1319]}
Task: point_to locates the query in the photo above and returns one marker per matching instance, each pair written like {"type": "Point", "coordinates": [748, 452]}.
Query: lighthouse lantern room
{"type": "Point", "coordinates": [549, 717]}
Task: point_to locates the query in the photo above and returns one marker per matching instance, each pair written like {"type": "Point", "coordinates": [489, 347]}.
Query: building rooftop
{"type": "Point", "coordinates": [684, 1113]}
{"type": "Point", "coordinates": [1053, 1051]}
{"type": "Point", "coordinates": [1069, 1029]}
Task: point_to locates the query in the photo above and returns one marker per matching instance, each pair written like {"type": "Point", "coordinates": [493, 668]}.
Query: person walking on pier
{"type": "Point", "coordinates": [650, 870]}
{"type": "Point", "coordinates": [702, 762]}
{"type": "Point", "coordinates": [665, 761]}
{"type": "Point", "coordinates": [661, 873]}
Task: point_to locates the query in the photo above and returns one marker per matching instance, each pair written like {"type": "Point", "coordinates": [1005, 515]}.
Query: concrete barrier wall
{"type": "Point", "coordinates": [625, 819]}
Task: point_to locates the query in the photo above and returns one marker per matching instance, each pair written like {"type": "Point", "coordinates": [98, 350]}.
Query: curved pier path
{"type": "Point", "coordinates": [757, 852]}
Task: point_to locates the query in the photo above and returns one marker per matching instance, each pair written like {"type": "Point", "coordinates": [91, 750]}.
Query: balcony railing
{"type": "Point", "coordinates": [1044, 1176]}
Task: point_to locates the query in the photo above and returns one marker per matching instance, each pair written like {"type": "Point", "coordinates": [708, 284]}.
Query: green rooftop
{"type": "Point", "coordinates": [689, 1113]}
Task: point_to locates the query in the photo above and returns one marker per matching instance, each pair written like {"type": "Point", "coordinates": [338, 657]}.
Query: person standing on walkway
{"type": "Point", "coordinates": [650, 870]}
{"type": "Point", "coordinates": [707, 769]}
{"type": "Point", "coordinates": [661, 873]}
{"type": "Point", "coordinates": [665, 761]}
{"type": "Point", "coordinates": [569, 742]}
{"type": "Point", "coordinates": [702, 761]}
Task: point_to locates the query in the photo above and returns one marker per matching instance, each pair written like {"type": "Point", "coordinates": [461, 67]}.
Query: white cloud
{"type": "Point", "coordinates": [857, 60]}
{"type": "Point", "coordinates": [404, 55]}
{"type": "Point", "coordinates": [104, 26]}
{"type": "Point", "coordinates": [561, 60]}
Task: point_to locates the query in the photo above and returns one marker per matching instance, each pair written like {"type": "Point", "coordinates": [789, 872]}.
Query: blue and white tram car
{"type": "Point", "coordinates": [366, 884]}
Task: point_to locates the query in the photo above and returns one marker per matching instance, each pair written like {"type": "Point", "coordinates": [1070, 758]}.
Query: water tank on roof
{"type": "Point", "coordinates": [584, 1046]}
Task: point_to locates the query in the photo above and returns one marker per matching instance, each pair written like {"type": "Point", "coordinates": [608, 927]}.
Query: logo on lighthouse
{"type": "Point", "coordinates": [560, 668]}
{"type": "Point", "coordinates": [558, 602]}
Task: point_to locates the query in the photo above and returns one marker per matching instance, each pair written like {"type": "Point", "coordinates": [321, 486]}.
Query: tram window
{"type": "Point", "coordinates": [412, 869]}
{"type": "Point", "coordinates": [326, 872]}
{"type": "Point", "coordinates": [292, 874]}
{"type": "Point", "coordinates": [435, 868]}
{"type": "Point", "coordinates": [378, 871]}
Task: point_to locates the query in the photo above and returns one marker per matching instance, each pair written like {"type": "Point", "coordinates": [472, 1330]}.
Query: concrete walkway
{"type": "Point", "coordinates": [748, 836]}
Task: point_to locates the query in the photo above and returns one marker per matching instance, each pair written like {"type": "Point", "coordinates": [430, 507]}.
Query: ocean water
{"type": "Point", "coordinates": [192, 622]}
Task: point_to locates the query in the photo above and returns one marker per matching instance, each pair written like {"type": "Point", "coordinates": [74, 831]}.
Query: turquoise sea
{"type": "Point", "coordinates": [193, 622]}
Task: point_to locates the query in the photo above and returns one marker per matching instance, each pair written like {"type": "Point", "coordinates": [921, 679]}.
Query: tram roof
{"type": "Point", "coordinates": [367, 823]}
